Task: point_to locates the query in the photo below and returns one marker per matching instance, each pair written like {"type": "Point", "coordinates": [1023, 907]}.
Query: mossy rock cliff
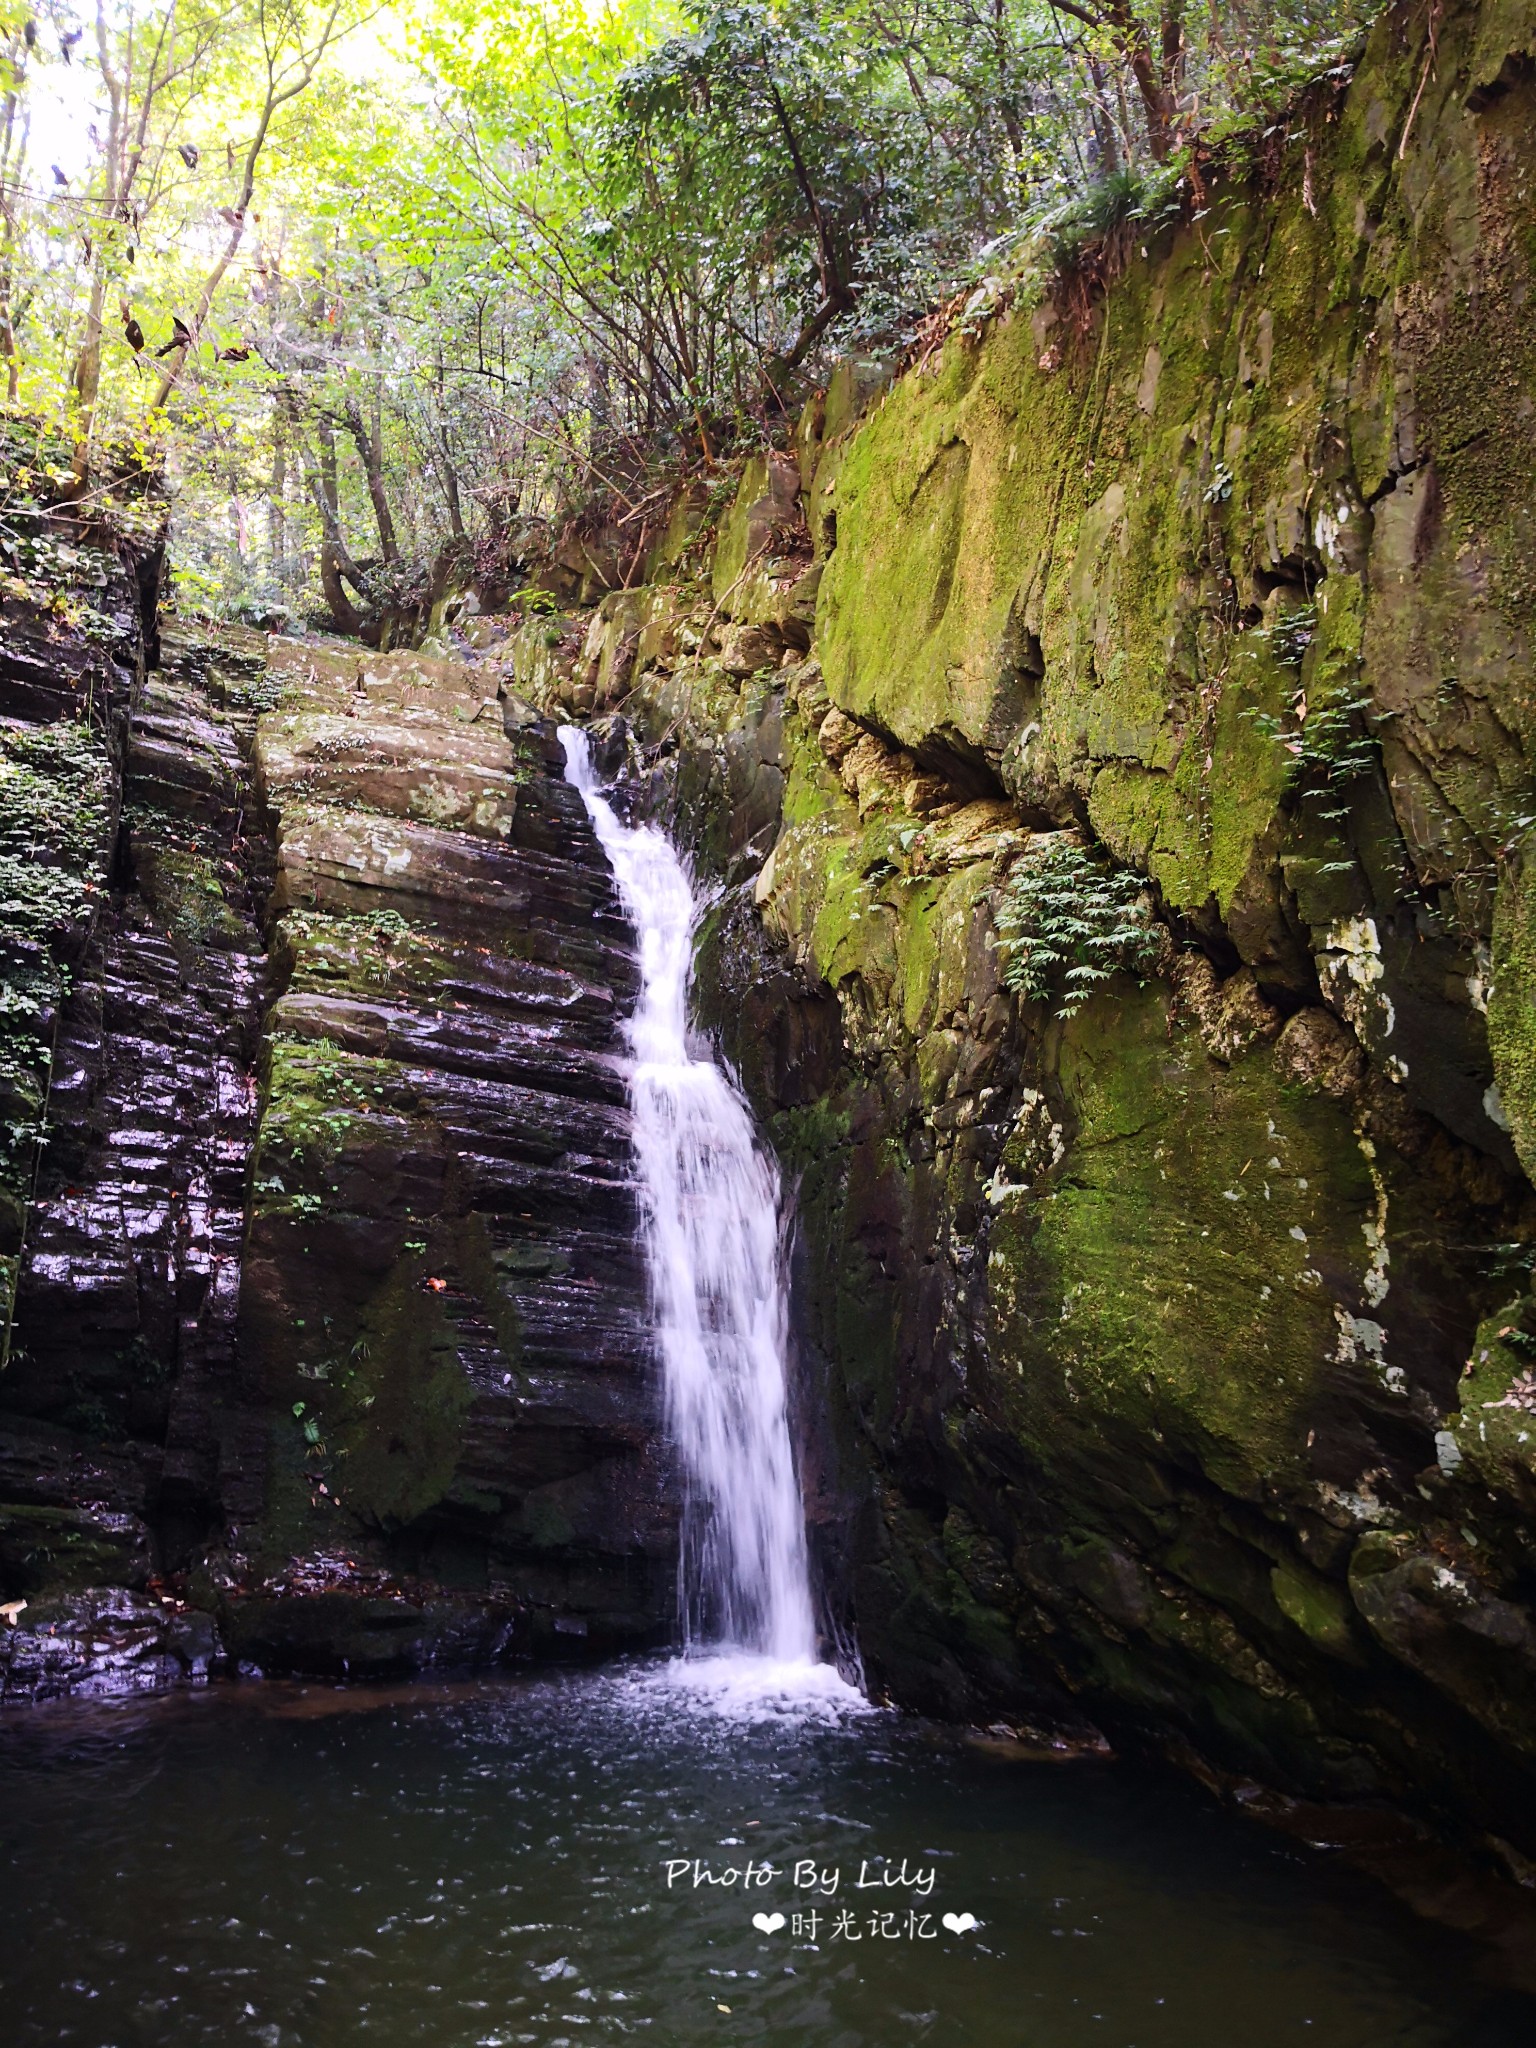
{"type": "Point", "coordinates": [1174, 1350]}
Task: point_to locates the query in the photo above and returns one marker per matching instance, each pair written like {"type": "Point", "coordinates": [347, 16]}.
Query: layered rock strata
{"type": "Point", "coordinates": [443, 1302]}
{"type": "Point", "coordinates": [133, 967]}
{"type": "Point", "coordinates": [329, 1347]}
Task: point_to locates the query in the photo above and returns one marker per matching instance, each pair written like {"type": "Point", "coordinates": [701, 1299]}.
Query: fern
{"type": "Point", "coordinates": [1331, 743]}
{"type": "Point", "coordinates": [1068, 923]}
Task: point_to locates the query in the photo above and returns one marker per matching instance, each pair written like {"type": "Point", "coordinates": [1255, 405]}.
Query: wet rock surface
{"type": "Point", "coordinates": [328, 1349]}
{"type": "Point", "coordinates": [124, 1339]}
{"type": "Point", "coordinates": [121, 1419]}
{"type": "Point", "coordinates": [443, 1297]}
{"type": "Point", "coordinates": [103, 1642]}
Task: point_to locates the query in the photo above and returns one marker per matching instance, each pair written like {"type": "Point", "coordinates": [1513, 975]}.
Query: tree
{"type": "Point", "coordinates": [1151, 47]}
{"type": "Point", "coordinates": [15, 51]}
{"type": "Point", "coordinates": [292, 39]}
{"type": "Point", "coordinates": [152, 70]}
{"type": "Point", "coordinates": [512, 270]}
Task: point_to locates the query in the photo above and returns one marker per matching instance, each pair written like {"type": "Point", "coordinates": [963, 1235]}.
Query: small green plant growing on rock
{"type": "Point", "coordinates": [1292, 633]}
{"type": "Point", "coordinates": [54, 815]}
{"type": "Point", "coordinates": [1067, 923]}
{"type": "Point", "coordinates": [257, 692]}
{"type": "Point", "coordinates": [1331, 740]}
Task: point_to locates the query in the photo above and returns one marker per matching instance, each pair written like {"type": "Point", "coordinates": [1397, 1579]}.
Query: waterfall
{"type": "Point", "coordinates": [710, 1196]}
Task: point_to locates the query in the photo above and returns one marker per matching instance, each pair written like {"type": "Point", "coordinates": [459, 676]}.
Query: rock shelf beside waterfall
{"type": "Point", "coordinates": [330, 1350]}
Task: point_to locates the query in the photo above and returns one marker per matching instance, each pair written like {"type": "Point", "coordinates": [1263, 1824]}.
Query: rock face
{"type": "Point", "coordinates": [443, 1303]}
{"type": "Point", "coordinates": [1175, 1341]}
{"type": "Point", "coordinates": [1114, 742]}
{"type": "Point", "coordinates": [135, 922]}
{"type": "Point", "coordinates": [341, 931]}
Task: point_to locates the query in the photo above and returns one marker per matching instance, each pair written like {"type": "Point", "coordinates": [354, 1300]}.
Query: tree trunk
{"type": "Point", "coordinates": [335, 561]}
{"type": "Point", "coordinates": [370, 451]}
{"type": "Point", "coordinates": [345, 616]}
{"type": "Point", "coordinates": [87, 377]}
{"type": "Point", "coordinates": [13, 166]}
{"type": "Point", "coordinates": [1156, 81]}
{"type": "Point", "coordinates": [1156, 100]}
{"type": "Point", "coordinates": [277, 491]}
{"type": "Point", "coordinates": [437, 432]}
{"type": "Point", "coordinates": [1103, 126]}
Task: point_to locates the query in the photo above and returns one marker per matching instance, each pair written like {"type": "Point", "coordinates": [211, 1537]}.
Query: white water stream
{"type": "Point", "coordinates": [710, 1198]}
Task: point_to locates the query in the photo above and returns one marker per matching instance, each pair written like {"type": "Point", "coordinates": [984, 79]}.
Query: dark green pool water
{"type": "Point", "coordinates": [477, 1866]}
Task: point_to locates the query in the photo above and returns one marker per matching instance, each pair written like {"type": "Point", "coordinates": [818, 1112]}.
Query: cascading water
{"type": "Point", "coordinates": [710, 1197]}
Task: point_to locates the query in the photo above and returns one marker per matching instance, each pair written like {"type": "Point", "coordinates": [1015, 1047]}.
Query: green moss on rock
{"type": "Point", "coordinates": [1176, 1283]}
{"type": "Point", "coordinates": [1512, 1006]}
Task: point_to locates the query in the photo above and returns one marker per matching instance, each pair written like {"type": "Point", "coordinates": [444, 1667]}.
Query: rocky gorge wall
{"type": "Point", "coordinates": [325, 1335]}
{"type": "Point", "coordinates": [443, 1301]}
{"type": "Point", "coordinates": [1164, 1367]}
{"type": "Point", "coordinates": [1176, 1352]}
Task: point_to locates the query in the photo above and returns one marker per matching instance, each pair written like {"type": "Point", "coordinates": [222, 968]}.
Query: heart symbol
{"type": "Point", "coordinates": [960, 1923]}
{"type": "Point", "coordinates": [767, 1923]}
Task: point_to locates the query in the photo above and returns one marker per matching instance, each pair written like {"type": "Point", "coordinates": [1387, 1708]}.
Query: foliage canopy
{"type": "Point", "coordinates": [383, 294]}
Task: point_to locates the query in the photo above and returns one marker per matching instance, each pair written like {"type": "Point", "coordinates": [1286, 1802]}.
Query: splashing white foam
{"type": "Point", "coordinates": [738, 1686]}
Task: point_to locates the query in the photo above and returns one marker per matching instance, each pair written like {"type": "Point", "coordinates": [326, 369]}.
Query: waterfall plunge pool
{"type": "Point", "coordinates": [730, 1847]}
{"type": "Point", "coordinates": [481, 1864]}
